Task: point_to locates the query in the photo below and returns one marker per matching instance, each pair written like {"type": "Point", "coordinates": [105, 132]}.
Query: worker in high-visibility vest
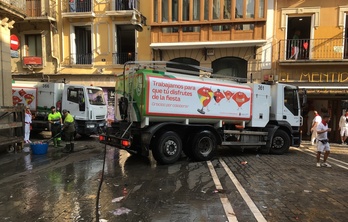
{"type": "Point", "coordinates": [68, 130]}
{"type": "Point", "coordinates": [55, 118]}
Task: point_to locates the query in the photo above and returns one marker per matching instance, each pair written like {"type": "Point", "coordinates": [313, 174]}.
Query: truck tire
{"type": "Point", "coordinates": [203, 146]}
{"type": "Point", "coordinates": [168, 148]}
{"type": "Point", "coordinates": [280, 143]}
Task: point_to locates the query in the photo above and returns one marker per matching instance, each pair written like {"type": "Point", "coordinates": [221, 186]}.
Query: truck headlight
{"type": "Point", "coordinates": [90, 125]}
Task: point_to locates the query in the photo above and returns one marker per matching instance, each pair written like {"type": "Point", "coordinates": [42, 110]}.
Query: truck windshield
{"type": "Point", "coordinates": [96, 96]}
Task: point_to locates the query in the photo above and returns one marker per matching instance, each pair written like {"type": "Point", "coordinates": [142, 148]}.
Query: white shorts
{"type": "Point", "coordinates": [323, 147]}
{"type": "Point", "coordinates": [344, 131]}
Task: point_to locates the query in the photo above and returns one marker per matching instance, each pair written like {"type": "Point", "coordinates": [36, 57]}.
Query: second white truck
{"type": "Point", "coordinates": [86, 103]}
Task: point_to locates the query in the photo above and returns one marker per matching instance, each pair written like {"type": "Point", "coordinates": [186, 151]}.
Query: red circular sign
{"type": "Point", "coordinates": [14, 42]}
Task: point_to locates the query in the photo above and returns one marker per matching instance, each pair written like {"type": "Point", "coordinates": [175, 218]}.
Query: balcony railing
{"type": "Point", "coordinates": [313, 49]}
{"type": "Point", "coordinates": [79, 5]}
{"type": "Point", "coordinates": [122, 57]}
{"type": "Point", "coordinates": [81, 59]}
{"type": "Point", "coordinates": [119, 5]}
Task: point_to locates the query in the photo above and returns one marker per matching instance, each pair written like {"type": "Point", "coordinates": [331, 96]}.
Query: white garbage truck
{"type": "Point", "coordinates": [168, 112]}
{"type": "Point", "coordinates": [86, 103]}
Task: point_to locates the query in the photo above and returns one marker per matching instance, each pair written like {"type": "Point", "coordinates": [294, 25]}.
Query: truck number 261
{"type": "Point", "coordinates": [261, 87]}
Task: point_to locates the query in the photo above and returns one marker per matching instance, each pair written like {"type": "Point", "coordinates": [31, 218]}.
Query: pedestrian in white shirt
{"type": "Point", "coordinates": [27, 122]}
{"type": "Point", "coordinates": [343, 127]}
{"type": "Point", "coordinates": [317, 119]}
{"type": "Point", "coordinates": [323, 145]}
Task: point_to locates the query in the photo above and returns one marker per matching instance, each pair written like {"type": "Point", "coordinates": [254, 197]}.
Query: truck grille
{"type": "Point", "coordinates": [100, 117]}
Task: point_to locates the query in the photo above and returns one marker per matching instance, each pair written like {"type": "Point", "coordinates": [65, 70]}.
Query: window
{"type": "Point", "coordinates": [96, 96]}
{"type": "Point", "coordinates": [206, 9]}
{"type": "Point", "coordinates": [191, 29]}
{"type": "Point", "coordinates": [170, 29]}
{"type": "Point", "coordinates": [186, 10]}
{"type": "Point", "coordinates": [239, 9]}
{"type": "Point", "coordinates": [33, 45]}
{"type": "Point", "coordinates": [183, 61]}
{"type": "Point", "coordinates": [221, 28]}
{"type": "Point", "coordinates": [83, 45]}
{"type": "Point", "coordinates": [73, 95]}
{"type": "Point", "coordinates": [244, 27]}
{"type": "Point", "coordinates": [209, 10]}
{"type": "Point", "coordinates": [216, 9]}
{"type": "Point", "coordinates": [261, 8]}
{"type": "Point", "coordinates": [175, 10]}
{"type": "Point", "coordinates": [230, 67]}
{"type": "Point", "coordinates": [227, 9]}
{"type": "Point", "coordinates": [291, 100]}
{"type": "Point", "coordinates": [196, 9]}
{"type": "Point", "coordinates": [250, 12]}
{"type": "Point", "coordinates": [165, 11]}
{"type": "Point", "coordinates": [155, 10]}
{"type": "Point", "coordinates": [125, 38]}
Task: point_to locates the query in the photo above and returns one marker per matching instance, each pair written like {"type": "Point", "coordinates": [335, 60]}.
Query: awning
{"type": "Point", "coordinates": [322, 88]}
{"type": "Point", "coordinates": [210, 45]}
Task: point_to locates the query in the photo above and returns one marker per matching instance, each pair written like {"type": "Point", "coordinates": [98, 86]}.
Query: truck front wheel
{"type": "Point", "coordinates": [168, 148]}
{"type": "Point", "coordinates": [280, 143]}
{"type": "Point", "coordinates": [203, 146]}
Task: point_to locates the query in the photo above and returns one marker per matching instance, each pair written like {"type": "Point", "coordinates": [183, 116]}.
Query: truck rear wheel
{"type": "Point", "coordinates": [280, 143]}
{"type": "Point", "coordinates": [203, 146]}
{"type": "Point", "coordinates": [168, 148]}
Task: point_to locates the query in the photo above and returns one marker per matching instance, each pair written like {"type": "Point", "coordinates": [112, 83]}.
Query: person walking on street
{"type": "Point", "coordinates": [27, 120]}
{"type": "Point", "coordinates": [55, 118]}
{"type": "Point", "coordinates": [343, 127]}
{"type": "Point", "coordinates": [317, 119]}
{"type": "Point", "coordinates": [69, 130]}
{"type": "Point", "coordinates": [323, 145]}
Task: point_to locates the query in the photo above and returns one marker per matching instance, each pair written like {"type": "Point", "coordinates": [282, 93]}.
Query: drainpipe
{"type": "Point", "coordinates": [275, 35]}
{"type": "Point", "coordinates": [52, 29]}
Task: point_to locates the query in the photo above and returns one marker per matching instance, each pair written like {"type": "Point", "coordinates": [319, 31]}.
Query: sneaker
{"type": "Point", "coordinates": [318, 165]}
{"type": "Point", "coordinates": [325, 165]}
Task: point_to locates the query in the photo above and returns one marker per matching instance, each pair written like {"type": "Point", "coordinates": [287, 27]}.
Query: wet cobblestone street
{"type": "Point", "coordinates": [64, 187]}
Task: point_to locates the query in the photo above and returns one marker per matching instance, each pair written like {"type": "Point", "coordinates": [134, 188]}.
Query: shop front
{"type": "Point", "coordinates": [327, 92]}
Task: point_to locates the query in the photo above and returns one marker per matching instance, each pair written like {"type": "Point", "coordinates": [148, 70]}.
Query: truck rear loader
{"type": "Point", "coordinates": [85, 103]}
{"type": "Point", "coordinates": [169, 112]}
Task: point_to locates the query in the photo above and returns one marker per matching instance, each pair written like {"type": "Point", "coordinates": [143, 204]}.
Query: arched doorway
{"type": "Point", "coordinates": [230, 67]}
{"type": "Point", "coordinates": [184, 60]}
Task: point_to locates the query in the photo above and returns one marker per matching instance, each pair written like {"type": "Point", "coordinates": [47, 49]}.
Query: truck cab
{"type": "Point", "coordinates": [88, 106]}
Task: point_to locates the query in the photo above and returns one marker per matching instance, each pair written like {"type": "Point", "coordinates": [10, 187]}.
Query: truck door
{"type": "Point", "coordinates": [291, 106]}
{"type": "Point", "coordinates": [76, 102]}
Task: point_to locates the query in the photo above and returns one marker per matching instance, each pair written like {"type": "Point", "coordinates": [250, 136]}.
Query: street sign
{"type": "Point", "coordinates": [14, 42]}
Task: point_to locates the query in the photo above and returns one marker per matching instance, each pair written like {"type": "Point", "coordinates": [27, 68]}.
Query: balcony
{"type": "Point", "coordinates": [77, 9]}
{"type": "Point", "coordinates": [13, 9]}
{"type": "Point", "coordinates": [313, 51]}
{"type": "Point", "coordinates": [122, 7]}
{"type": "Point", "coordinates": [122, 57]}
{"type": "Point", "coordinates": [202, 35]}
{"type": "Point", "coordinates": [41, 10]}
{"type": "Point", "coordinates": [81, 59]}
